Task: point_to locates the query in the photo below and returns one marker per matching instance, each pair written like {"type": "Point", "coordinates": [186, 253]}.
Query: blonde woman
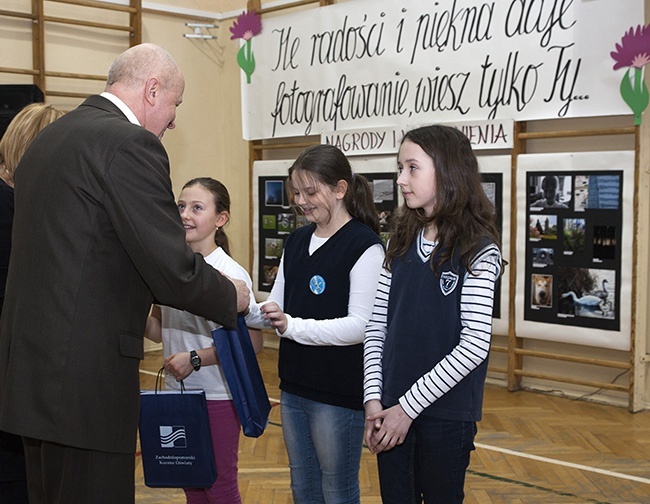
{"type": "Point", "coordinates": [20, 132]}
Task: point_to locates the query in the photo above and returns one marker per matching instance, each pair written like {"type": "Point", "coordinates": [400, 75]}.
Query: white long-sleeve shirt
{"type": "Point", "coordinates": [343, 331]}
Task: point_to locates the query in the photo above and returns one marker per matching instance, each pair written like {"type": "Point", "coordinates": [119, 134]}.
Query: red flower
{"type": "Point", "coordinates": [634, 49]}
{"type": "Point", "coordinates": [247, 25]}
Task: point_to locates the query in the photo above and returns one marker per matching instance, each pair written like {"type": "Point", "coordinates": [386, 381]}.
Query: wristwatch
{"type": "Point", "coordinates": [195, 360]}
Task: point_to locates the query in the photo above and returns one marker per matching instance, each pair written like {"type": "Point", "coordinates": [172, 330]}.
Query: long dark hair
{"type": "Point", "coordinates": [221, 203]}
{"type": "Point", "coordinates": [328, 165]}
{"type": "Point", "coordinates": [463, 215]}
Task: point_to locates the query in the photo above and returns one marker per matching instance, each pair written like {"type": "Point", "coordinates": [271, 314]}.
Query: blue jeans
{"type": "Point", "coordinates": [324, 444]}
{"type": "Point", "coordinates": [429, 465]}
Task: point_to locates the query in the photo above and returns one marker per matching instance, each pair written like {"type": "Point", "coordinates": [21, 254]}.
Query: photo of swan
{"type": "Point", "coordinates": [587, 292]}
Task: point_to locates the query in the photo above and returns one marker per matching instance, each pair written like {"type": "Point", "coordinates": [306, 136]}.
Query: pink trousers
{"type": "Point", "coordinates": [225, 428]}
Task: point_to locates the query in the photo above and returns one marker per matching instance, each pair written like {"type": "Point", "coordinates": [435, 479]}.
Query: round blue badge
{"type": "Point", "coordinates": [317, 284]}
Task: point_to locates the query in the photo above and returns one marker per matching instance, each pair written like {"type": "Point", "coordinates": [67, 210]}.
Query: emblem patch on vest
{"type": "Point", "coordinates": [448, 282]}
{"type": "Point", "coordinates": [317, 284]}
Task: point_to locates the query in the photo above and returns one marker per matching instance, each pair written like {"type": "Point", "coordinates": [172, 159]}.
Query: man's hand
{"type": "Point", "coordinates": [243, 295]}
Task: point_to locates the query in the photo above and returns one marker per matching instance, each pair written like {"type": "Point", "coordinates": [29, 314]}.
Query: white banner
{"type": "Point", "coordinates": [369, 64]}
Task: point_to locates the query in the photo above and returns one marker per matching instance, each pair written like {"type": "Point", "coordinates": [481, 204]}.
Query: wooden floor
{"type": "Point", "coordinates": [530, 449]}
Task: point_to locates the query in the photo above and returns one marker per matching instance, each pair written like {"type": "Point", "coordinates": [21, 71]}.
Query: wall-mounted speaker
{"type": "Point", "coordinates": [13, 97]}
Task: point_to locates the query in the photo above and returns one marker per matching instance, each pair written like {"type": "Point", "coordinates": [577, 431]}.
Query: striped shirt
{"type": "Point", "coordinates": [476, 303]}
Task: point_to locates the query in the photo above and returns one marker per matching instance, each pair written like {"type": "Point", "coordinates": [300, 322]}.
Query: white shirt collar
{"type": "Point", "coordinates": [425, 247]}
{"type": "Point", "coordinates": [122, 106]}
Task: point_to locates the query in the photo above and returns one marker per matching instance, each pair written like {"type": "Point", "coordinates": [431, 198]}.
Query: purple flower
{"type": "Point", "coordinates": [634, 49]}
{"type": "Point", "coordinates": [247, 25]}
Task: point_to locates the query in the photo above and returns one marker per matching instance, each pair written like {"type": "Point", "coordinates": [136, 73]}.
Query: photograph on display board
{"type": "Point", "coordinates": [384, 194]}
{"type": "Point", "coordinates": [550, 191]}
{"type": "Point", "coordinates": [597, 192]}
{"type": "Point", "coordinates": [490, 191]}
{"type": "Point", "coordinates": [542, 290]}
{"type": "Point", "coordinates": [273, 248]}
{"type": "Point", "coordinates": [572, 250]}
{"type": "Point", "coordinates": [274, 193]}
{"type": "Point", "coordinates": [269, 222]}
{"type": "Point", "coordinates": [270, 272]}
{"type": "Point", "coordinates": [286, 223]}
{"type": "Point", "coordinates": [604, 242]}
{"type": "Point", "coordinates": [542, 257]}
{"type": "Point", "coordinates": [587, 292]}
{"type": "Point", "coordinates": [542, 227]}
{"type": "Point", "coordinates": [574, 235]}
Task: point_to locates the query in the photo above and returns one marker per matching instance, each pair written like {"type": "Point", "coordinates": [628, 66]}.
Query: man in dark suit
{"type": "Point", "coordinates": [97, 236]}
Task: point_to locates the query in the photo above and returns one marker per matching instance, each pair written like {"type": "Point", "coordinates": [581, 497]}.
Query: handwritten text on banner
{"type": "Point", "coordinates": [383, 64]}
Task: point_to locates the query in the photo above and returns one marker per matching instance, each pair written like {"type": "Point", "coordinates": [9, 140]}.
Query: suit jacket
{"type": "Point", "coordinates": [97, 235]}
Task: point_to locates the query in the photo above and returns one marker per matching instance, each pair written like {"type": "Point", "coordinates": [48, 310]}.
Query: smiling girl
{"type": "Point", "coordinates": [428, 340]}
{"type": "Point", "coordinates": [204, 205]}
{"type": "Point", "coordinates": [319, 305]}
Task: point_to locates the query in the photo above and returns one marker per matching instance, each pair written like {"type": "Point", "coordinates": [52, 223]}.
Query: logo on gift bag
{"type": "Point", "coordinates": [172, 436]}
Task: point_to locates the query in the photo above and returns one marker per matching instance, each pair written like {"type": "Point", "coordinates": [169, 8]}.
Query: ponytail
{"type": "Point", "coordinates": [360, 203]}
{"type": "Point", "coordinates": [221, 239]}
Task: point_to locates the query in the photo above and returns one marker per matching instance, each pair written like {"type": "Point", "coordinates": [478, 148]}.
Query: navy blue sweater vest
{"type": "Point", "coordinates": [423, 327]}
{"type": "Point", "coordinates": [318, 287]}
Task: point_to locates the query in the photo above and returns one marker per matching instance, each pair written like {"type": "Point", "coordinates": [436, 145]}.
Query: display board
{"type": "Point", "coordinates": [495, 171]}
{"type": "Point", "coordinates": [574, 247]}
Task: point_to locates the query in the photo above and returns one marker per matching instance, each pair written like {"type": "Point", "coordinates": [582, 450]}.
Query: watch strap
{"type": "Point", "coordinates": [195, 360]}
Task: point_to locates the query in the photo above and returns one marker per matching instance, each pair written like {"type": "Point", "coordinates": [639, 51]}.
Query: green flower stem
{"type": "Point", "coordinates": [635, 93]}
{"type": "Point", "coordinates": [246, 60]}
{"type": "Point", "coordinates": [638, 82]}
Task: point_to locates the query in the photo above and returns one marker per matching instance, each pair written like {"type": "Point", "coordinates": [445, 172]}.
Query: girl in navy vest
{"type": "Point", "coordinates": [319, 305]}
{"type": "Point", "coordinates": [428, 339]}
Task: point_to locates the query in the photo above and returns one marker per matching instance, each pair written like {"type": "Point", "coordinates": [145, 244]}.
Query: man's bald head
{"type": "Point", "coordinates": [134, 66]}
{"type": "Point", "coordinates": [148, 80]}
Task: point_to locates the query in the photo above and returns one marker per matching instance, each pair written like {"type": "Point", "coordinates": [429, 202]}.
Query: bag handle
{"type": "Point", "coordinates": [159, 380]}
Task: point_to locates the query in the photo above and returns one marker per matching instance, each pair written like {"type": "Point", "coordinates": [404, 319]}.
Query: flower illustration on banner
{"type": "Point", "coordinates": [247, 25]}
{"type": "Point", "coordinates": [634, 53]}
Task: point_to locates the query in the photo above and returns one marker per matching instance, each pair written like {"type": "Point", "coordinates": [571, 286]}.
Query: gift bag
{"type": "Point", "coordinates": [175, 438]}
{"type": "Point", "coordinates": [242, 372]}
